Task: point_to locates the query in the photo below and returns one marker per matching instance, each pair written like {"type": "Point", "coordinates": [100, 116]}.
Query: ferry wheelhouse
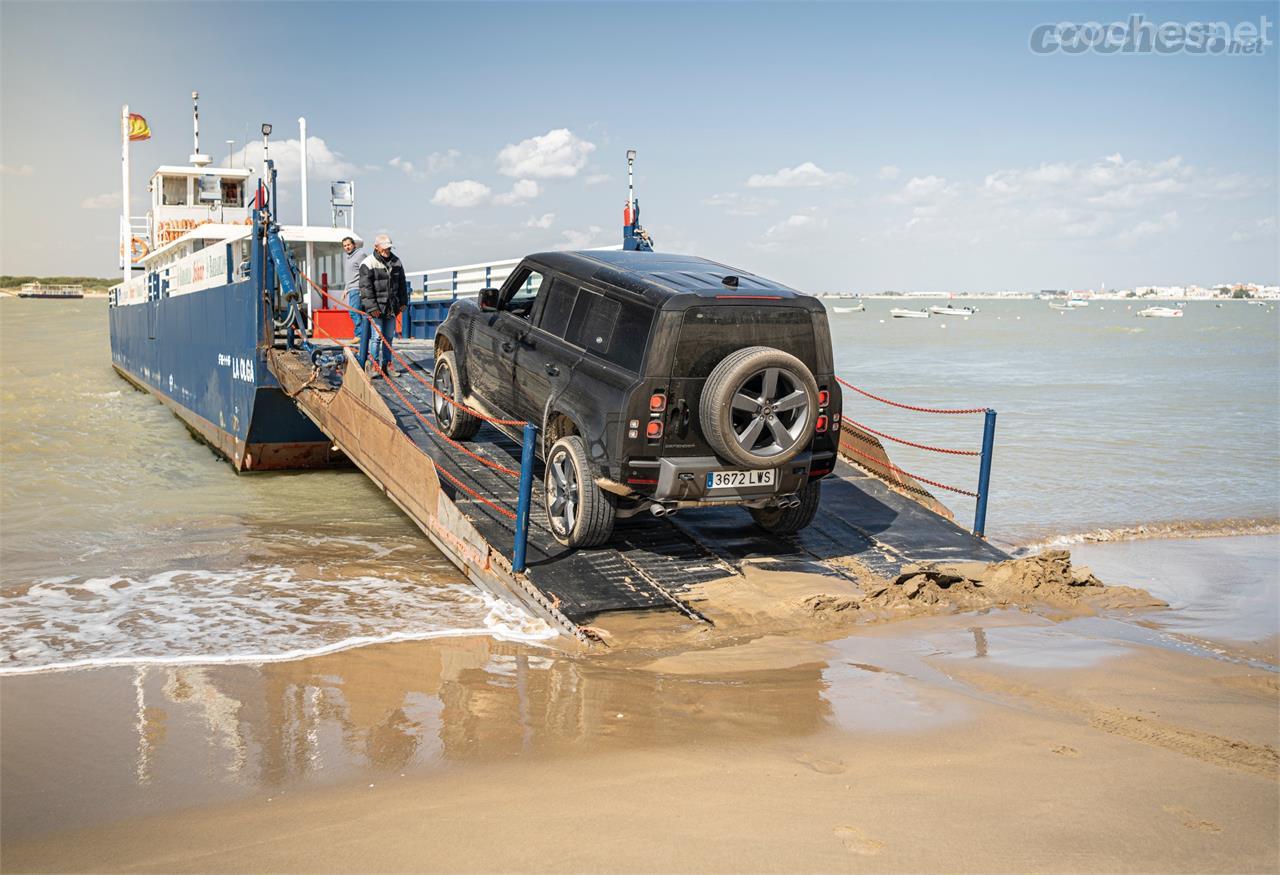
{"type": "Point", "coordinates": [200, 305]}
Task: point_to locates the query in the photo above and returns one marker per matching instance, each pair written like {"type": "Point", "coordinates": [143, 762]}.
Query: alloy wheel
{"type": "Point", "coordinates": [770, 412]}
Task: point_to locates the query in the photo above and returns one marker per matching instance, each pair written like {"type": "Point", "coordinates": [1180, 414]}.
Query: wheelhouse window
{"type": "Point", "coordinates": [232, 193]}
{"type": "Point", "coordinates": [173, 191]}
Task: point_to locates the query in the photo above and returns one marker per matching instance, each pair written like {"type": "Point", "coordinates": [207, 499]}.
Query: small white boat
{"type": "Point", "coordinates": [949, 310]}
{"type": "Point", "coordinates": [1161, 312]}
{"type": "Point", "coordinates": [898, 313]}
{"type": "Point", "coordinates": [857, 308]}
{"type": "Point", "coordinates": [1077, 302]}
{"type": "Point", "coordinates": [1054, 305]}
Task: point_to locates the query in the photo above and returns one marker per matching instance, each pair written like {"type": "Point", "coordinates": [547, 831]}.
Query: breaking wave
{"type": "Point", "coordinates": [1175, 529]}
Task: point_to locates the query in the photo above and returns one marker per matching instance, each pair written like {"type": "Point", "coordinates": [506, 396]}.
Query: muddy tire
{"type": "Point", "coordinates": [579, 512]}
{"type": "Point", "coordinates": [784, 521]}
{"type": "Point", "coordinates": [758, 407]}
{"type": "Point", "coordinates": [453, 421]}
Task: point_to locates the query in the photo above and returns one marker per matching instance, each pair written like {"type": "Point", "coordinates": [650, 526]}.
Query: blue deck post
{"type": "Point", "coordinates": [526, 494]}
{"type": "Point", "coordinates": [984, 473]}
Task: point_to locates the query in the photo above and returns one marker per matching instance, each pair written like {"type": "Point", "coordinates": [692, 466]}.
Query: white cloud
{"type": "Point", "coordinates": [597, 178]}
{"type": "Point", "coordinates": [557, 154]}
{"type": "Point", "coordinates": [406, 168]}
{"type": "Point", "coordinates": [888, 172]}
{"type": "Point", "coordinates": [1149, 228]}
{"type": "Point", "coordinates": [470, 193]}
{"type": "Point", "coordinates": [922, 188]}
{"type": "Point", "coordinates": [790, 229]}
{"type": "Point", "coordinates": [574, 239]}
{"type": "Point", "coordinates": [463, 193]}
{"type": "Point", "coordinates": [101, 201]}
{"type": "Point", "coordinates": [806, 175]}
{"type": "Point", "coordinates": [446, 229]}
{"type": "Point", "coordinates": [16, 170]}
{"type": "Point", "coordinates": [434, 163]}
{"type": "Point", "coordinates": [544, 221]}
{"type": "Point", "coordinates": [322, 162]}
{"type": "Point", "coordinates": [521, 191]}
{"type": "Point", "coordinates": [1262, 228]}
{"type": "Point", "coordinates": [741, 205]}
{"type": "Point", "coordinates": [1110, 183]}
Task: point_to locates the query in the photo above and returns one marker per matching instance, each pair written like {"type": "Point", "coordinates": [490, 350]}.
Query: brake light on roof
{"type": "Point", "coordinates": [657, 402]}
{"type": "Point", "coordinates": [653, 430]}
{"type": "Point", "coordinates": [748, 297]}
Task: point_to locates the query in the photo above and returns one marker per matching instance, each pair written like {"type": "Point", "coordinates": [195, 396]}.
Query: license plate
{"type": "Point", "coordinates": [741, 479]}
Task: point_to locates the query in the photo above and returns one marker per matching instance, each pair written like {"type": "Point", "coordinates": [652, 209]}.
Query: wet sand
{"type": "Point", "coordinates": [992, 740]}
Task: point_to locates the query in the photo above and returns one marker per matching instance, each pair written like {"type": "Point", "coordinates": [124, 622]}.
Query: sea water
{"type": "Point", "coordinates": [125, 541]}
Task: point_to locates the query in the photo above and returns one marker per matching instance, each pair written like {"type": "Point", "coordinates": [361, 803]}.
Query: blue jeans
{"type": "Point", "coordinates": [386, 323]}
{"type": "Point", "coordinates": [357, 319]}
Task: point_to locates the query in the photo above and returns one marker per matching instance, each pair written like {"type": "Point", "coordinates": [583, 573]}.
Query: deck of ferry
{"type": "Point", "coordinates": [650, 563]}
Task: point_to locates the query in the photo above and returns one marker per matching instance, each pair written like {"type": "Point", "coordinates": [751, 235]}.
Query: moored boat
{"type": "Point", "coordinates": [201, 303]}
{"type": "Point", "coordinates": [950, 310]}
{"type": "Point", "coordinates": [1161, 312]}
{"type": "Point", "coordinates": [901, 313]}
{"type": "Point", "coordinates": [857, 308]}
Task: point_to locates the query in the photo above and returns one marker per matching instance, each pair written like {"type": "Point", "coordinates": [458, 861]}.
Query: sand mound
{"type": "Point", "coordinates": [780, 599]}
{"type": "Point", "coordinates": [1047, 578]}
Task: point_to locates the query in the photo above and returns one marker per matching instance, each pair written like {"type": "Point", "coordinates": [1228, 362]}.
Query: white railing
{"type": "Point", "coordinates": [466, 280]}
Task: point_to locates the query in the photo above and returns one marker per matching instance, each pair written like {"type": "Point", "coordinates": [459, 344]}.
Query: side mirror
{"type": "Point", "coordinates": [489, 299]}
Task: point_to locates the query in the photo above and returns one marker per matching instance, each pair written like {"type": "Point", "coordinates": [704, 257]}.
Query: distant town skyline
{"type": "Point", "coordinates": [829, 146]}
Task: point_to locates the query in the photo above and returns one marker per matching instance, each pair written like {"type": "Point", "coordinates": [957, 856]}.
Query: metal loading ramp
{"type": "Point", "coordinates": [464, 506]}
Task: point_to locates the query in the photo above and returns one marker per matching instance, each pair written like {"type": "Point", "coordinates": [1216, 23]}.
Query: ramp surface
{"type": "Point", "coordinates": [651, 563]}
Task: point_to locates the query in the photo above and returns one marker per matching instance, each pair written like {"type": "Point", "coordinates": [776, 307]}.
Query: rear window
{"type": "Point", "coordinates": [616, 331]}
{"type": "Point", "coordinates": [711, 333]}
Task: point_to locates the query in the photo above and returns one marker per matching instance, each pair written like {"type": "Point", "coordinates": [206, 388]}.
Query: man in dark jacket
{"type": "Point", "coordinates": [382, 295]}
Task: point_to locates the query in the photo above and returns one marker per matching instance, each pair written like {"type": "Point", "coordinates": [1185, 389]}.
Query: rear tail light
{"type": "Point", "coordinates": [657, 402]}
{"type": "Point", "coordinates": [824, 397]}
{"type": "Point", "coordinates": [821, 425]}
{"type": "Point", "coordinates": [653, 430]}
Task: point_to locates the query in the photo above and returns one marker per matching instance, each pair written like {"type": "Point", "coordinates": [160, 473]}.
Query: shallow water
{"type": "Point", "coordinates": [126, 541]}
{"type": "Point", "coordinates": [1104, 418]}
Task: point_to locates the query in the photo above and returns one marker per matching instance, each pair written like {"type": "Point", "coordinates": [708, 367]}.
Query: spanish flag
{"type": "Point", "coordinates": [138, 127]}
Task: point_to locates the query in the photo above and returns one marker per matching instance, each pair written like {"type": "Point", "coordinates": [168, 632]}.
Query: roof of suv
{"type": "Point", "coordinates": [659, 276]}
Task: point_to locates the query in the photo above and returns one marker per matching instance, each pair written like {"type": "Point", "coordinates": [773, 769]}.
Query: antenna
{"type": "Point", "coordinates": [231, 153]}
{"type": "Point", "coordinates": [196, 158]}
{"type": "Point", "coordinates": [631, 180]}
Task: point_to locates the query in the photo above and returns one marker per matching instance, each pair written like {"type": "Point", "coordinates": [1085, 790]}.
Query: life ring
{"type": "Point", "coordinates": [138, 249]}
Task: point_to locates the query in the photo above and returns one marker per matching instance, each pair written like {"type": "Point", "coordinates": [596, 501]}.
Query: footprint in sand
{"type": "Point", "coordinates": [1190, 821]}
{"type": "Point", "coordinates": [826, 767]}
{"type": "Point", "coordinates": [856, 841]}
{"type": "Point", "coordinates": [1064, 750]}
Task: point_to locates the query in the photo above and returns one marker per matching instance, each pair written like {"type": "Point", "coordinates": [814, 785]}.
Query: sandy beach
{"type": "Point", "coordinates": [1043, 738]}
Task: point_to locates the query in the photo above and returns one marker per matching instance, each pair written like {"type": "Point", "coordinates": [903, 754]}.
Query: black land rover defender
{"type": "Point", "coordinates": [658, 382]}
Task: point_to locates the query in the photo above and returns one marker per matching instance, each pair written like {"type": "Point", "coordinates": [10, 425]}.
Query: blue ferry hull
{"type": "Point", "coordinates": [199, 354]}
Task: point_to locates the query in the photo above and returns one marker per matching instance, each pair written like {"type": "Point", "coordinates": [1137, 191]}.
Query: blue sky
{"type": "Point", "coordinates": [830, 146]}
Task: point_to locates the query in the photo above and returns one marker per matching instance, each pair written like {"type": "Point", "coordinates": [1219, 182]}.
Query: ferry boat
{"type": "Point", "coordinates": [41, 290]}
{"type": "Point", "coordinates": [198, 306]}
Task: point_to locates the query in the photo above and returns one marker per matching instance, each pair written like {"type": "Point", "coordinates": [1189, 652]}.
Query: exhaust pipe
{"type": "Point", "coordinates": [789, 501]}
{"type": "Point", "coordinates": [662, 510]}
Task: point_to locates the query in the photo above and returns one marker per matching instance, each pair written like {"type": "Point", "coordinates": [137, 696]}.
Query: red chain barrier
{"type": "Point", "coordinates": [439, 468]}
{"type": "Point", "coordinates": [403, 363]}
{"type": "Point", "coordinates": [908, 406]}
{"type": "Point", "coordinates": [899, 471]}
{"type": "Point", "coordinates": [910, 443]}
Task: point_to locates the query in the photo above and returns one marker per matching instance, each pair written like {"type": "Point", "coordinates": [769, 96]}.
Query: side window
{"type": "Point", "coordinates": [616, 331]}
{"type": "Point", "coordinates": [558, 306]}
{"type": "Point", "coordinates": [521, 301]}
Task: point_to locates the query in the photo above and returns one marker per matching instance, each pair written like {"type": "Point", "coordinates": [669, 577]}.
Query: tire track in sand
{"type": "Point", "coordinates": [1227, 753]}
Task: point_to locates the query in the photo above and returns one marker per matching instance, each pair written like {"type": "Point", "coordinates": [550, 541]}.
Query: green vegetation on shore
{"type": "Point", "coordinates": [90, 283]}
